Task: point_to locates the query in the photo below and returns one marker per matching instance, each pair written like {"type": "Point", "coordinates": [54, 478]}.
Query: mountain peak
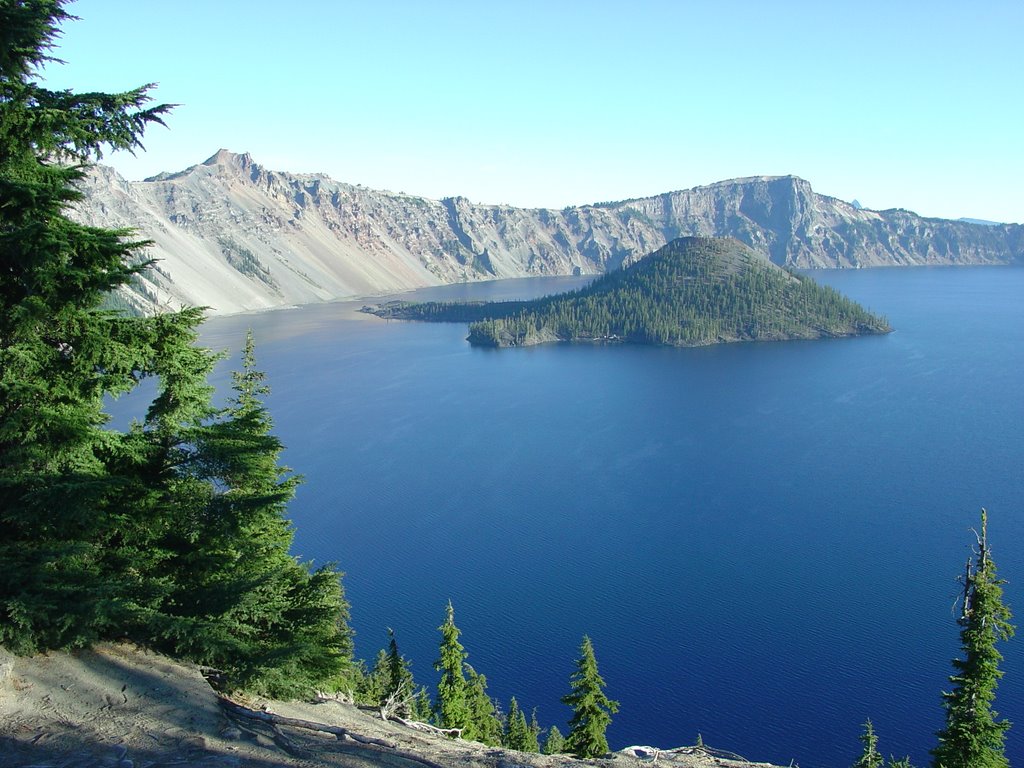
{"type": "Point", "coordinates": [228, 158]}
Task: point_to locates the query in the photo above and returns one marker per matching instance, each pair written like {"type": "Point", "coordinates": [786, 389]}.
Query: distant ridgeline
{"type": "Point", "coordinates": [692, 292]}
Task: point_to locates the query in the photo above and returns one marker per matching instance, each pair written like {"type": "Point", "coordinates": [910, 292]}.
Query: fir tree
{"type": "Point", "coordinates": [399, 672]}
{"type": "Point", "coordinates": [60, 354]}
{"type": "Point", "coordinates": [171, 533]}
{"type": "Point", "coordinates": [450, 708]}
{"type": "Point", "coordinates": [391, 683]}
{"type": "Point", "coordinates": [533, 745]}
{"type": "Point", "coordinates": [517, 732]}
{"type": "Point", "coordinates": [973, 735]}
{"type": "Point", "coordinates": [241, 601]}
{"type": "Point", "coordinates": [869, 757]}
{"type": "Point", "coordinates": [554, 744]}
{"type": "Point", "coordinates": [373, 688]}
{"type": "Point", "coordinates": [483, 724]}
{"type": "Point", "coordinates": [592, 709]}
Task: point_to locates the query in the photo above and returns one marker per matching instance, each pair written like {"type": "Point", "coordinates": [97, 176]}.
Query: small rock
{"type": "Point", "coordinates": [231, 733]}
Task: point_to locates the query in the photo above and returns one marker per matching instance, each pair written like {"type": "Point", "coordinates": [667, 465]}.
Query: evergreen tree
{"type": "Point", "coordinates": [391, 681]}
{"type": "Point", "coordinates": [517, 732]}
{"type": "Point", "coordinates": [374, 686]}
{"type": "Point", "coordinates": [240, 601]}
{"type": "Point", "coordinates": [173, 532]}
{"type": "Point", "coordinates": [450, 708]}
{"type": "Point", "coordinates": [554, 744]}
{"type": "Point", "coordinates": [533, 744]}
{"type": "Point", "coordinates": [869, 758]}
{"type": "Point", "coordinates": [973, 735]}
{"type": "Point", "coordinates": [399, 671]}
{"type": "Point", "coordinates": [483, 724]}
{"type": "Point", "coordinates": [592, 709]}
{"type": "Point", "coordinates": [60, 354]}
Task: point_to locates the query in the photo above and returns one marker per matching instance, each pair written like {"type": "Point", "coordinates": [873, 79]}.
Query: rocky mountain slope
{"type": "Point", "coordinates": [234, 236]}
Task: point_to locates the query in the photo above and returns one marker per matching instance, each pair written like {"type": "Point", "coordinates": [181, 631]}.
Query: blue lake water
{"type": "Point", "coordinates": [762, 540]}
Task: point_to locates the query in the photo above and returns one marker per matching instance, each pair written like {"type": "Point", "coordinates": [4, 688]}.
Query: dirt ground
{"type": "Point", "coordinates": [119, 706]}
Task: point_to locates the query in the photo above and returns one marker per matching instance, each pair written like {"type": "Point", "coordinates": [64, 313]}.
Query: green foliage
{"type": "Point", "coordinates": [592, 709]}
{"type": "Point", "coordinates": [390, 684]}
{"type": "Point", "coordinates": [694, 291]}
{"type": "Point", "coordinates": [483, 724]}
{"type": "Point", "coordinates": [246, 262]}
{"type": "Point", "coordinates": [450, 707]}
{"type": "Point", "coordinates": [373, 687]}
{"type": "Point", "coordinates": [973, 735]}
{"type": "Point", "coordinates": [554, 744]}
{"type": "Point", "coordinates": [399, 669]}
{"type": "Point", "coordinates": [462, 700]}
{"type": "Point", "coordinates": [60, 354]}
{"type": "Point", "coordinates": [869, 758]}
{"type": "Point", "coordinates": [518, 734]}
{"type": "Point", "coordinates": [171, 533]}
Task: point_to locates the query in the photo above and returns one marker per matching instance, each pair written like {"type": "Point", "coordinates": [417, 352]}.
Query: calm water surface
{"type": "Point", "coordinates": [762, 540]}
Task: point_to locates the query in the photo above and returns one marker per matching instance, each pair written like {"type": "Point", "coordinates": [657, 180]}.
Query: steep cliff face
{"type": "Point", "coordinates": [234, 236]}
{"type": "Point", "coordinates": [784, 218]}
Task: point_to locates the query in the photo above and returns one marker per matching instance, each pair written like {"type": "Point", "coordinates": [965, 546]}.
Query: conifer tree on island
{"type": "Point", "coordinates": [973, 735]}
{"type": "Point", "coordinates": [592, 709]}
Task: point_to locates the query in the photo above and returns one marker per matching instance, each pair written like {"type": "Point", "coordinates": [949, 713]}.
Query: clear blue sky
{"type": "Point", "coordinates": [897, 104]}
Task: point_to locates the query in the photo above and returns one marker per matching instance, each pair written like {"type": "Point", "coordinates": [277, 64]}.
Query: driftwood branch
{"type": "Point", "coordinates": [452, 733]}
{"type": "Point", "coordinates": [269, 717]}
{"type": "Point", "coordinates": [397, 700]}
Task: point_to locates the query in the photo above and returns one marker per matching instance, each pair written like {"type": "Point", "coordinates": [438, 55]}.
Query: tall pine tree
{"type": "Point", "coordinates": [60, 354]}
{"type": "Point", "coordinates": [592, 709]}
{"type": "Point", "coordinates": [450, 708]}
{"type": "Point", "coordinates": [973, 735]}
{"type": "Point", "coordinates": [483, 724]}
{"type": "Point", "coordinates": [272, 622]}
{"type": "Point", "coordinates": [171, 533]}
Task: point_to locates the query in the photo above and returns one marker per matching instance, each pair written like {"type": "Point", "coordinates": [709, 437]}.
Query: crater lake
{"type": "Point", "coordinates": [762, 540]}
